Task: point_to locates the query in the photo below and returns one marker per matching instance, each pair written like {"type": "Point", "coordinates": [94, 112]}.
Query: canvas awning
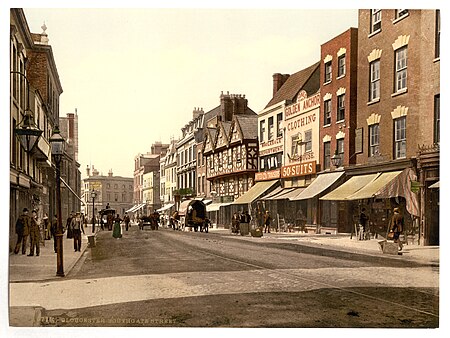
{"type": "Point", "coordinates": [321, 183]}
{"type": "Point", "coordinates": [370, 190]}
{"type": "Point", "coordinates": [254, 192]}
{"type": "Point", "coordinates": [216, 206]}
{"type": "Point", "coordinates": [136, 207]}
{"type": "Point", "coordinates": [288, 193]}
{"type": "Point", "coordinates": [354, 184]}
{"type": "Point", "coordinates": [275, 192]}
{"type": "Point", "coordinates": [435, 185]}
{"type": "Point", "coordinates": [168, 206]}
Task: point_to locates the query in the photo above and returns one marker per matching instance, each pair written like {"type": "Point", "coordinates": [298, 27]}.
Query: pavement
{"type": "Point", "coordinates": [43, 267]}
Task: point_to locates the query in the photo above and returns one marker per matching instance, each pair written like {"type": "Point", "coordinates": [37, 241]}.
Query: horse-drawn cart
{"type": "Point", "coordinates": [193, 212]}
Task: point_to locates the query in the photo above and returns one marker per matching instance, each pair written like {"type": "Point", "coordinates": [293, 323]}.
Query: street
{"type": "Point", "coordinates": [189, 279]}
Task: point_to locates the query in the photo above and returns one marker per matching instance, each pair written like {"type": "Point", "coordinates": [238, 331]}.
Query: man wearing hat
{"type": "Point", "coordinates": [396, 226]}
{"type": "Point", "coordinates": [77, 228]}
{"type": "Point", "coordinates": [22, 231]}
{"type": "Point", "coordinates": [267, 220]}
{"type": "Point", "coordinates": [34, 234]}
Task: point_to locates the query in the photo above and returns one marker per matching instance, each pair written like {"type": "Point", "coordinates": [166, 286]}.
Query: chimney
{"type": "Point", "coordinates": [239, 103]}
{"type": "Point", "coordinates": [88, 171]}
{"type": "Point", "coordinates": [197, 112]}
{"type": "Point", "coordinates": [110, 173]}
{"type": "Point", "coordinates": [278, 81]}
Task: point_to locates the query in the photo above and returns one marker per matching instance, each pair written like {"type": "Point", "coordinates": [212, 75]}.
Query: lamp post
{"type": "Point", "coordinates": [93, 195]}
{"type": "Point", "coordinates": [336, 159]}
{"type": "Point", "coordinates": [57, 142]}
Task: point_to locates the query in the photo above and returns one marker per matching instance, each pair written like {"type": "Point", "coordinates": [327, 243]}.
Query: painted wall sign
{"type": "Point", "coordinates": [300, 169]}
{"type": "Point", "coordinates": [267, 175]}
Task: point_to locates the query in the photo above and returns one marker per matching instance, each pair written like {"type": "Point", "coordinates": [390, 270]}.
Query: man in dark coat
{"type": "Point", "coordinates": [126, 219]}
{"type": "Point", "coordinates": [22, 231]}
{"type": "Point", "coordinates": [267, 219]}
{"type": "Point", "coordinates": [34, 234]}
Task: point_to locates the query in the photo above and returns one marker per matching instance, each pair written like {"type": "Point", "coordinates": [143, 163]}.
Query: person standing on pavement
{"type": "Point", "coordinates": [396, 226]}
{"type": "Point", "coordinates": [363, 223]}
{"type": "Point", "coordinates": [53, 229]}
{"type": "Point", "coordinates": [22, 231]}
{"type": "Point", "coordinates": [46, 225]}
{"type": "Point", "coordinates": [267, 220]}
{"type": "Point", "coordinates": [68, 225]}
{"type": "Point", "coordinates": [77, 227]}
{"type": "Point", "coordinates": [235, 223]}
{"type": "Point", "coordinates": [34, 234]}
{"type": "Point", "coordinates": [116, 231]}
{"type": "Point", "coordinates": [126, 219]}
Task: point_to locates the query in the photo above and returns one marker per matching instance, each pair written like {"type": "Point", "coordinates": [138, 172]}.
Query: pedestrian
{"type": "Point", "coordinates": [22, 231]}
{"type": "Point", "coordinates": [116, 231]}
{"type": "Point", "coordinates": [235, 223]}
{"type": "Point", "coordinates": [34, 234]}
{"type": "Point", "coordinates": [47, 226]}
{"type": "Point", "coordinates": [126, 219]}
{"type": "Point", "coordinates": [245, 222]}
{"type": "Point", "coordinates": [207, 223]}
{"type": "Point", "coordinates": [267, 219]}
{"type": "Point", "coordinates": [362, 224]}
{"type": "Point", "coordinates": [77, 227]}
{"type": "Point", "coordinates": [109, 221]}
{"type": "Point", "coordinates": [53, 231]}
{"type": "Point", "coordinates": [68, 225]}
{"type": "Point", "coordinates": [396, 226]}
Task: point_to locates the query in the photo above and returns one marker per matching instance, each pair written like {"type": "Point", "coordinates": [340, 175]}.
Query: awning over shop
{"type": "Point", "coordinates": [370, 190]}
{"type": "Point", "coordinates": [71, 190]}
{"type": "Point", "coordinates": [321, 183]}
{"type": "Point", "coordinates": [435, 185]}
{"type": "Point", "coordinates": [168, 206]}
{"type": "Point", "coordinates": [401, 186]}
{"type": "Point", "coordinates": [136, 207]}
{"type": "Point", "coordinates": [350, 187]}
{"type": "Point", "coordinates": [275, 192]}
{"type": "Point", "coordinates": [216, 206]}
{"type": "Point", "coordinates": [254, 192]}
{"type": "Point", "coordinates": [287, 193]}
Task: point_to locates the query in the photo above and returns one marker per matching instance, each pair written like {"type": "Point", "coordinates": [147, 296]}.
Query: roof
{"type": "Point", "coordinates": [249, 126]}
{"type": "Point", "coordinates": [294, 84]}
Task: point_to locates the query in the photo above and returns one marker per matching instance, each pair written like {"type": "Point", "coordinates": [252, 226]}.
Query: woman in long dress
{"type": "Point", "coordinates": [117, 231]}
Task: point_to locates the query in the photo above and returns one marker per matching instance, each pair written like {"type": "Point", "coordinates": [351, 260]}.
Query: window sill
{"type": "Point", "coordinates": [327, 125]}
{"type": "Point", "coordinates": [373, 101]}
{"type": "Point", "coordinates": [340, 121]}
{"type": "Point", "coordinates": [437, 59]}
{"type": "Point", "coordinates": [374, 33]}
{"type": "Point", "coordinates": [325, 83]}
{"type": "Point", "coordinates": [400, 92]}
{"type": "Point", "coordinates": [340, 77]}
{"type": "Point", "coordinates": [400, 18]}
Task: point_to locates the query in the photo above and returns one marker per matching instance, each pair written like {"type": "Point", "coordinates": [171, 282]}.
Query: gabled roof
{"type": "Point", "coordinates": [293, 85]}
{"type": "Point", "coordinates": [248, 125]}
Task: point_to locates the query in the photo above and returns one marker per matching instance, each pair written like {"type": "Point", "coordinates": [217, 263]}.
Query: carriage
{"type": "Point", "coordinates": [107, 218]}
{"type": "Point", "coordinates": [193, 214]}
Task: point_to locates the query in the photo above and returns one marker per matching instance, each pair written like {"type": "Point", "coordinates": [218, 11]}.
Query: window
{"type": "Point", "coordinates": [437, 118]}
{"type": "Point", "coordinates": [340, 148]}
{"type": "Point", "coordinates": [374, 139]}
{"type": "Point", "coordinates": [14, 144]}
{"type": "Point", "coordinates": [438, 34]}
{"type": "Point", "coordinates": [374, 91]}
{"type": "Point", "coordinates": [279, 120]}
{"type": "Point", "coordinates": [401, 68]}
{"type": "Point", "coordinates": [271, 128]}
{"type": "Point", "coordinates": [328, 72]}
{"type": "Point", "coordinates": [199, 184]}
{"type": "Point", "coordinates": [262, 131]}
{"type": "Point", "coordinates": [327, 112]}
{"type": "Point", "coordinates": [211, 162]}
{"type": "Point", "coordinates": [340, 108]}
{"type": "Point", "coordinates": [326, 155]}
{"type": "Point", "coordinates": [294, 145]}
{"type": "Point", "coordinates": [400, 137]}
{"type": "Point", "coordinates": [341, 65]}
{"type": "Point", "coordinates": [230, 156]}
{"type": "Point", "coordinates": [375, 20]}
{"type": "Point", "coordinates": [308, 140]}
{"type": "Point", "coordinates": [238, 155]}
{"type": "Point", "coordinates": [15, 87]}
{"type": "Point", "coordinates": [400, 13]}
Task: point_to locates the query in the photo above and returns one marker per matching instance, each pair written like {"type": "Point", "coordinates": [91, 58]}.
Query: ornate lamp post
{"type": "Point", "coordinates": [93, 195]}
{"type": "Point", "coordinates": [57, 142]}
{"type": "Point", "coordinates": [336, 159]}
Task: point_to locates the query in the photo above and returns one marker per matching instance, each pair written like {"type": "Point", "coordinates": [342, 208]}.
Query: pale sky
{"type": "Point", "coordinates": [135, 75]}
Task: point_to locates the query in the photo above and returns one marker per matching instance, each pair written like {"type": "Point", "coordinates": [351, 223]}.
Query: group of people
{"type": "Point", "coordinates": [238, 218]}
{"type": "Point", "coordinates": [28, 227]}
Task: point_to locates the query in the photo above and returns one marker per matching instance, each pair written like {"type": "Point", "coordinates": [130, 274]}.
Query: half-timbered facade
{"type": "Point", "coordinates": [231, 151]}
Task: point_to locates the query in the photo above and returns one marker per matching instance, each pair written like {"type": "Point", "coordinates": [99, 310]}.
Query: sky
{"type": "Point", "coordinates": [135, 75]}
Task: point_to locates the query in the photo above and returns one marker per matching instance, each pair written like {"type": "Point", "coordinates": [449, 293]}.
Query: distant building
{"type": "Point", "coordinates": [115, 190]}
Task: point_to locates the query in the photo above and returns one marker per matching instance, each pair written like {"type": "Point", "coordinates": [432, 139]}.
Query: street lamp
{"type": "Point", "coordinates": [336, 159]}
{"type": "Point", "coordinates": [57, 142]}
{"type": "Point", "coordinates": [93, 195]}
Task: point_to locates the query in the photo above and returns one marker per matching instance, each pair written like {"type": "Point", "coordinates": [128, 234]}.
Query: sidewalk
{"type": "Point", "coordinates": [342, 242]}
{"type": "Point", "coordinates": [43, 267]}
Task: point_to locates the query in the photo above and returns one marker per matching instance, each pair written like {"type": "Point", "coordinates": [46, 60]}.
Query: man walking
{"type": "Point", "coordinates": [34, 234]}
{"type": "Point", "coordinates": [126, 219]}
{"type": "Point", "coordinates": [267, 220]}
{"type": "Point", "coordinates": [77, 228]}
{"type": "Point", "coordinates": [22, 231]}
{"type": "Point", "coordinates": [396, 226]}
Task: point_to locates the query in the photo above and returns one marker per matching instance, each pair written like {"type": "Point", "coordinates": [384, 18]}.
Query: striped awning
{"type": "Point", "coordinates": [136, 207]}
{"type": "Point", "coordinates": [255, 192]}
{"type": "Point", "coordinates": [216, 206]}
{"type": "Point", "coordinates": [354, 184]}
{"type": "Point", "coordinates": [370, 190]}
{"type": "Point", "coordinates": [435, 185]}
{"type": "Point", "coordinates": [167, 206]}
{"type": "Point", "coordinates": [320, 184]}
